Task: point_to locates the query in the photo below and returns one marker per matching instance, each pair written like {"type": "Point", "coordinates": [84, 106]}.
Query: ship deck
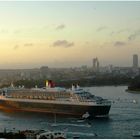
{"type": "Point", "coordinates": [73, 102]}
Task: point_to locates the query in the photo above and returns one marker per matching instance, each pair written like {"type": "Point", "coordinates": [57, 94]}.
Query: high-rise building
{"type": "Point", "coordinates": [135, 61]}
{"type": "Point", "coordinates": [95, 64]}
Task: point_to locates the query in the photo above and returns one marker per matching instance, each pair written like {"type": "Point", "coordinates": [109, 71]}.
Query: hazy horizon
{"type": "Point", "coordinates": [68, 34]}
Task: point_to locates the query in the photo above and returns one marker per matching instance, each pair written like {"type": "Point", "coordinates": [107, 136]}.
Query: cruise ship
{"type": "Point", "coordinates": [75, 101]}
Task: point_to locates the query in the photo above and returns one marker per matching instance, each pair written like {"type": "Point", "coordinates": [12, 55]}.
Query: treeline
{"type": "Point", "coordinates": [97, 81]}
{"type": "Point", "coordinates": [135, 84]}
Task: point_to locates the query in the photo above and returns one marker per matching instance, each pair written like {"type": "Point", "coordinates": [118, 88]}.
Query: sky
{"type": "Point", "coordinates": [68, 34]}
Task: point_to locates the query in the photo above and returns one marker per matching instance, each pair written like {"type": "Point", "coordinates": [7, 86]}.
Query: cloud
{"type": "Point", "coordinates": [17, 31]}
{"type": "Point", "coordinates": [134, 35]}
{"type": "Point", "coordinates": [24, 45]}
{"type": "Point", "coordinates": [119, 43]}
{"type": "Point", "coordinates": [87, 43]}
{"type": "Point", "coordinates": [123, 30]}
{"type": "Point", "coordinates": [16, 47]}
{"type": "Point", "coordinates": [4, 31]}
{"type": "Point", "coordinates": [101, 28]}
{"type": "Point", "coordinates": [60, 27]}
{"type": "Point", "coordinates": [28, 44]}
{"type": "Point", "coordinates": [63, 43]}
{"type": "Point", "coordinates": [112, 33]}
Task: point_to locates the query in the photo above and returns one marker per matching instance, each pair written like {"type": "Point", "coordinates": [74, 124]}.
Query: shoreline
{"type": "Point", "coordinates": [132, 91]}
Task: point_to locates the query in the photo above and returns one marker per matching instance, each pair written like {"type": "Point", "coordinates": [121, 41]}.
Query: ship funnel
{"type": "Point", "coordinates": [73, 87]}
{"type": "Point", "coordinates": [50, 83]}
{"type": "Point", "coordinates": [12, 85]}
{"type": "Point", "coordinates": [77, 86]}
{"type": "Point", "coordinates": [47, 83]}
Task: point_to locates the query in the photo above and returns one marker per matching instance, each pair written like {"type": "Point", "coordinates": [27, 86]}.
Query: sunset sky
{"type": "Point", "coordinates": [65, 34]}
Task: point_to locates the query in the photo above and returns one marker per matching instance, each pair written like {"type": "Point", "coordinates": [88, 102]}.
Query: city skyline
{"type": "Point", "coordinates": [66, 34]}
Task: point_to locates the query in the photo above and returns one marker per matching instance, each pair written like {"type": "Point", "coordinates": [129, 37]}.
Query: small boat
{"type": "Point", "coordinates": [88, 125]}
{"type": "Point", "coordinates": [81, 120]}
{"type": "Point", "coordinates": [86, 115]}
{"type": "Point", "coordinates": [134, 101]}
{"type": "Point", "coordinates": [51, 135]}
{"type": "Point", "coordinates": [81, 135]}
{"type": "Point", "coordinates": [136, 134]}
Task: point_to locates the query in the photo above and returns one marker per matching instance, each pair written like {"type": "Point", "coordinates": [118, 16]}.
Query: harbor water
{"type": "Point", "coordinates": [123, 120]}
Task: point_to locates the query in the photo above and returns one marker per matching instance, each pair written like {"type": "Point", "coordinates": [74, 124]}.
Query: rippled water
{"type": "Point", "coordinates": [124, 117]}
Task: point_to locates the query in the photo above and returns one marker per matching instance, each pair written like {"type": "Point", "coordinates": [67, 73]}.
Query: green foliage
{"type": "Point", "coordinates": [135, 84]}
{"type": "Point", "coordinates": [98, 80]}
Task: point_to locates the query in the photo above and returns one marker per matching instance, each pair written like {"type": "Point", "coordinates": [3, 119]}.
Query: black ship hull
{"type": "Point", "coordinates": [66, 109]}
